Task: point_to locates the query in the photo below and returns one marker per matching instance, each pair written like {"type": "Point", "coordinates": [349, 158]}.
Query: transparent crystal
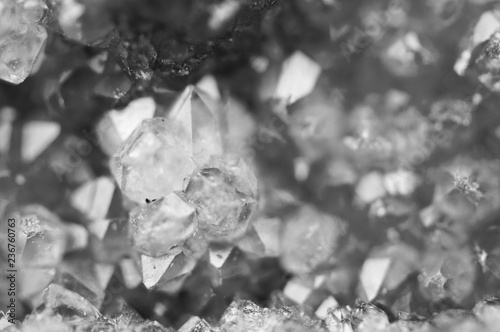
{"type": "Point", "coordinates": [298, 78]}
{"type": "Point", "coordinates": [59, 300]}
{"type": "Point", "coordinates": [195, 324]}
{"type": "Point", "coordinates": [166, 273]}
{"type": "Point", "coordinates": [153, 162]}
{"type": "Point", "coordinates": [224, 193]}
{"type": "Point", "coordinates": [82, 275]}
{"type": "Point", "coordinates": [94, 198]}
{"type": "Point", "coordinates": [84, 21]}
{"type": "Point", "coordinates": [310, 239]}
{"type": "Point", "coordinates": [116, 126]}
{"type": "Point", "coordinates": [366, 317]}
{"type": "Point", "coordinates": [21, 38]}
{"type": "Point", "coordinates": [36, 137]}
{"type": "Point", "coordinates": [193, 114]}
{"type": "Point", "coordinates": [161, 226]}
{"type": "Point", "coordinates": [112, 242]}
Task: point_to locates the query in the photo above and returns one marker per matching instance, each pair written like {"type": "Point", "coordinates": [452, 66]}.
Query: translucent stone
{"type": "Point", "coordinates": [244, 316]}
{"type": "Point", "coordinates": [224, 193]}
{"type": "Point", "coordinates": [7, 116]}
{"type": "Point", "coordinates": [167, 273]}
{"type": "Point", "coordinates": [116, 126]}
{"type": "Point", "coordinates": [193, 115]}
{"type": "Point", "coordinates": [310, 239]}
{"type": "Point", "coordinates": [406, 55]}
{"type": "Point", "coordinates": [82, 275]}
{"type": "Point", "coordinates": [112, 243]}
{"type": "Point", "coordinates": [45, 238]}
{"type": "Point", "coordinates": [154, 268]}
{"type": "Point", "coordinates": [153, 162]}
{"type": "Point", "coordinates": [163, 225]}
{"type": "Point", "coordinates": [338, 320]}
{"type": "Point", "coordinates": [36, 137]}
{"type": "Point", "coordinates": [366, 317]}
{"type": "Point", "coordinates": [94, 198]}
{"type": "Point", "coordinates": [328, 304]}
{"type": "Point", "coordinates": [268, 231]}
{"type": "Point", "coordinates": [84, 21]}
{"type": "Point", "coordinates": [195, 324]}
{"type": "Point", "coordinates": [488, 23]}
{"type": "Point", "coordinates": [373, 274]}
{"type": "Point", "coordinates": [21, 38]}
{"type": "Point", "coordinates": [371, 187]}
{"type": "Point", "coordinates": [32, 280]}
{"type": "Point", "coordinates": [298, 78]}
{"type": "Point", "coordinates": [297, 291]}
{"type": "Point", "coordinates": [59, 300]}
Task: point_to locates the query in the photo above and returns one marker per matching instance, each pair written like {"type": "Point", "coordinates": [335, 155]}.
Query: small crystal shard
{"type": "Point", "coordinates": [373, 274]}
{"type": "Point", "coordinates": [224, 194]}
{"type": "Point", "coordinates": [154, 268]}
{"type": "Point", "coordinates": [21, 38]}
{"type": "Point", "coordinates": [310, 239]}
{"type": "Point", "coordinates": [153, 162]}
{"type": "Point", "coordinates": [59, 300]}
{"type": "Point", "coordinates": [192, 112]}
{"type": "Point", "coordinates": [298, 78]}
{"type": "Point", "coordinates": [117, 125]}
{"type": "Point", "coordinates": [94, 198]}
{"type": "Point", "coordinates": [37, 136]}
{"type": "Point", "coordinates": [159, 227]}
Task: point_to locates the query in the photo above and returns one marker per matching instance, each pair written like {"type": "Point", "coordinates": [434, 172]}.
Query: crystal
{"type": "Point", "coordinates": [37, 136]}
{"type": "Point", "coordinates": [297, 291]}
{"type": "Point", "coordinates": [406, 55]}
{"type": "Point", "coordinates": [224, 193]}
{"type": "Point", "coordinates": [268, 231]}
{"type": "Point", "coordinates": [195, 324]}
{"type": "Point", "coordinates": [487, 24]}
{"type": "Point", "coordinates": [94, 198]}
{"type": "Point", "coordinates": [153, 162]}
{"type": "Point", "coordinates": [371, 187]}
{"type": "Point", "coordinates": [116, 126]}
{"type": "Point", "coordinates": [154, 268]}
{"type": "Point", "coordinates": [163, 225]}
{"type": "Point", "coordinates": [59, 300]}
{"type": "Point", "coordinates": [368, 317]}
{"type": "Point", "coordinates": [22, 38]}
{"type": "Point", "coordinates": [373, 274]}
{"type": "Point", "coordinates": [175, 274]}
{"type": "Point", "coordinates": [82, 275]}
{"type": "Point", "coordinates": [310, 239]}
{"type": "Point", "coordinates": [193, 113]}
{"type": "Point", "coordinates": [328, 304]}
{"type": "Point", "coordinates": [112, 242]}
{"type": "Point", "coordinates": [297, 78]}
{"type": "Point", "coordinates": [84, 21]}
{"type": "Point", "coordinates": [338, 320]}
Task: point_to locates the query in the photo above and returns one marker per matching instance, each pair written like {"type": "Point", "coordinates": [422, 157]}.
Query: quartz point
{"type": "Point", "coordinates": [162, 226]}
{"type": "Point", "coordinates": [298, 78]}
{"type": "Point", "coordinates": [21, 38]}
{"type": "Point", "coordinates": [37, 136]}
{"type": "Point", "coordinates": [193, 112]}
{"type": "Point", "coordinates": [59, 300]}
{"type": "Point", "coordinates": [224, 193]}
{"type": "Point", "coordinates": [153, 162]}
{"type": "Point", "coordinates": [310, 239]}
{"type": "Point", "coordinates": [195, 324]}
{"type": "Point", "coordinates": [116, 126]}
{"type": "Point", "coordinates": [94, 198]}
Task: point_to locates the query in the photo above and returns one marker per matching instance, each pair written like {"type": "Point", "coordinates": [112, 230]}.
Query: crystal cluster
{"type": "Point", "coordinates": [250, 165]}
{"type": "Point", "coordinates": [21, 36]}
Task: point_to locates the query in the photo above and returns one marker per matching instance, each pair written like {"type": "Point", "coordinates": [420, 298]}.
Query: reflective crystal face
{"type": "Point", "coordinates": [153, 162]}
{"type": "Point", "coordinates": [310, 239]}
{"type": "Point", "coordinates": [224, 200]}
{"type": "Point", "coordinates": [21, 38]}
{"type": "Point", "coordinates": [162, 225]}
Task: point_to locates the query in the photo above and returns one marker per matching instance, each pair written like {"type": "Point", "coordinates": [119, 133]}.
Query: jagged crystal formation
{"type": "Point", "coordinates": [224, 193]}
{"type": "Point", "coordinates": [310, 239]}
{"type": "Point", "coordinates": [21, 38]}
{"type": "Point", "coordinates": [162, 226]}
{"type": "Point", "coordinates": [153, 162]}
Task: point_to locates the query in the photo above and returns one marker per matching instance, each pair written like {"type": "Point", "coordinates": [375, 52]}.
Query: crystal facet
{"type": "Point", "coordinates": [153, 162]}
{"type": "Point", "coordinates": [161, 226]}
